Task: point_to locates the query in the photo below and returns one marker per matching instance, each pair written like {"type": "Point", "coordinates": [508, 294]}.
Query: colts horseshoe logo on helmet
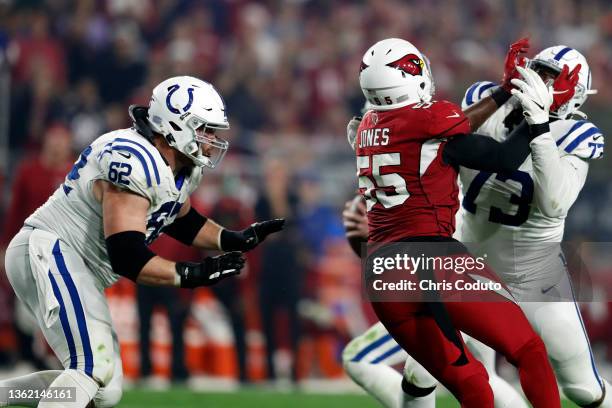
{"type": "Point", "coordinates": [171, 90]}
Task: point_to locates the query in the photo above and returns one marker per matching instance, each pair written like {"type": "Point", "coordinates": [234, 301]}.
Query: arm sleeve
{"type": "Point", "coordinates": [558, 180]}
{"type": "Point", "coordinates": [128, 253]}
{"type": "Point", "coordinates": [484, 153]}
{"type": "Point", "coordinates": [186, 228]}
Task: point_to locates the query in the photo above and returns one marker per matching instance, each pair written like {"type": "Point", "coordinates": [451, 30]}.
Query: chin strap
{"type": "Point", "coordinates": [139, 116]}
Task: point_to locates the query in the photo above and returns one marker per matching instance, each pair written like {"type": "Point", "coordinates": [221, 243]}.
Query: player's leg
{"type": "Point", "coordinates": [418, 386]}
{"type": "Point", "coordinates": [502, 326]}
{"type": "Point", "coordinates": [419, 334]}
{"type": "Point", "coordinates": [110, 394]}
{"type": "Point", "coordinates": [78, 331]}
{"type": "Point", "coordinates": [506, 396]}
{"type": "Point", "coordinates": [368, 358]}
{"type": "Point", "coordinates": [560, 326]}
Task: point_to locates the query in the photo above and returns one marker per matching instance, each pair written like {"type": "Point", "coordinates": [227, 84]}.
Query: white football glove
{"type": "Point", "coordinates": [351, 130]}
{"type": "Point", "coordinates": [535, 96]}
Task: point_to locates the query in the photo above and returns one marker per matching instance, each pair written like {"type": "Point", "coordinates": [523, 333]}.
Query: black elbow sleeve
{"type": "Point", "coordinates": [128, 253]}
{"type": "Point", "coordinates": [186, 228]}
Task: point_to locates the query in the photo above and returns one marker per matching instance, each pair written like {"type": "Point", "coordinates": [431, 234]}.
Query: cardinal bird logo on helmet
{"type": "Point", "coordinates": [410, 64]}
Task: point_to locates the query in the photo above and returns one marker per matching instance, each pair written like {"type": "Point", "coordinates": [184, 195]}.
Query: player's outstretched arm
{"type": "Point", "coordinates": [124, 214]}
{"type": "Point", "coordinates": [481, 152]}
{"type": "Point", "coordinates": [192, 228]}
{"type": "Point", "coordinates": [479, 112]}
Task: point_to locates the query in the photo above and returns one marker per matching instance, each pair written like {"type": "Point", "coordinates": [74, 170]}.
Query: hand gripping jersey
{"type": "Point", "coordinates": [500, 208]}
{"type": "Point", "coordinates": [129, 161]}
{"type": "Point", "coordinates": [409, 190]}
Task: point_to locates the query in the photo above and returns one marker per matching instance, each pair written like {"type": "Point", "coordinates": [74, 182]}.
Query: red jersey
{"type": "Point", "coordinates": [409, 189]}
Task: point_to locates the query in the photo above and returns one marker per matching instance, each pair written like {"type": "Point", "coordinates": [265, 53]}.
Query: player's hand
{"type": "Point", "coordinates": [535, 96]}
{"type": "Point", "coordinates": [564, 87]}
{"type": "Point", "coordinates": [351, 130]}
{"type": "Point", "coordinates": [355, 223]}
{"type": "Point", "coordinates": [210, 271]}
{"type": "Point", "coordinates": [257, 232]}
{"type": "Point", "coordinates": [354, 218]}
{"type": "Point", "coordinates": [514, 59]}
{"type": "Point", "coordinates": [249, 238]}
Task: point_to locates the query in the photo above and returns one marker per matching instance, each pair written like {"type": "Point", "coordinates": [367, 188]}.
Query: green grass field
{"type": "Point", "coordinates": [140, 398]}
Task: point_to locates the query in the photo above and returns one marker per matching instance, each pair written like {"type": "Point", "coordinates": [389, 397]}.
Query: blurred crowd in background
{"type": "Point", "coordinates": [288, 71]}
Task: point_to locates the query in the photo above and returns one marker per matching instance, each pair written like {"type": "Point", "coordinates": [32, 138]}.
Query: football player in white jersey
{"type": "Point", "coordinates": [527, 209]}
{"type": "Point", "coordinates": [125, 189]}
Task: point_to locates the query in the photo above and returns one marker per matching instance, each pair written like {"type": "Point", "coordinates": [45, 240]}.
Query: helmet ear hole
{"type": "Point", "coordinates": [422, 85]}
{"type": "Point", "coordinates": [175, 126]}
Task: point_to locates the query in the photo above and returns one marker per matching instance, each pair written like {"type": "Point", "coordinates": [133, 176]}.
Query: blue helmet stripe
{"type": "Point", "coordinates": [469, 97]}
{"type": "Point", "coordinates": [153, 163]}
{"type": "Point", "coordinates": [562, 53]}
{"type": "Point", "coordinates": [582, 137]}
{"type": "Point", "coordinates": [140, 158]}
{"type": "Point", "coordinates": [576, 126]}
{"type": "Point", "coordinates": [483, 88]}
{"type": "Point", "coordinates": [371, 347]}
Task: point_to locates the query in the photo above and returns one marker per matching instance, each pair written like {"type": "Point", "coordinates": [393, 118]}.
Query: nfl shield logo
{"type": "Point", "coordinates": [374, 118]}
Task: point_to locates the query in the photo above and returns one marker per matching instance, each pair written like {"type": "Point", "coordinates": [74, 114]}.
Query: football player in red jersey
{"type": "Point", "coordinates": [408, 151]}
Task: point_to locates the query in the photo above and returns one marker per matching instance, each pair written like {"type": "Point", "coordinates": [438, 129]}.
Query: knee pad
{"type": "Point", "coordinates": [103, 371]}
{"type": "Point", "coordinates": [560, 328]}
{"type": "Point", "coordinates": [108, 396]}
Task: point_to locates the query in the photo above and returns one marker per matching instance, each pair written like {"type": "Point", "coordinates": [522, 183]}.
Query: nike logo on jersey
{"type": "Point", "coordinates": [454, 115]}
{"type": "Point", "coordinates": [597, 137]}
{"type": "Point", "coordinates": [127, 155]}
{"type": "Point", "coordinates": [546, 290]}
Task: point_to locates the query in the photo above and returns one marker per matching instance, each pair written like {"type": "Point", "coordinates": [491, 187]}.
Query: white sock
{"type": "Point", "coordinates": [79, 383]}
{"type": "Point", "coordinates": [35, 381]}
{"type": "Point", "coordinates": [385, 384]}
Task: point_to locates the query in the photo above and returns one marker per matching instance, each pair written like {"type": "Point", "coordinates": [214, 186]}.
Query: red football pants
{"type": "Point", "coordinates": [501, 325]}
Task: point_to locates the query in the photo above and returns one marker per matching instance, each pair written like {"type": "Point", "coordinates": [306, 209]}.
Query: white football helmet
{"type": "Point", "coordinates": [554, 58]}
{"type": "Point", "coordinates": [394, 73]}
{"type": "Point", "coordinates": [182, 109]}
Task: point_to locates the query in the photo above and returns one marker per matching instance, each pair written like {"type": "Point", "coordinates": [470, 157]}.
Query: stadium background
{"type": "Point", "coordinates": [288, 72]}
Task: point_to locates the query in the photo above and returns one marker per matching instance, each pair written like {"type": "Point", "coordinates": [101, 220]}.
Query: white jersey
{"type": "Point", "coordinates": [129, 161]}
{"type": "Point", "coordinates": [515, 207]}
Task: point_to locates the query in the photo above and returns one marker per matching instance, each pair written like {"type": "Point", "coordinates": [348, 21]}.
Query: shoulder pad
{"type": "Point", "coordinates": [580, 138]}
{"type": "Point", "coordinates": [476, 92]}
{"type": "Point", "coordinates": [130, 164]}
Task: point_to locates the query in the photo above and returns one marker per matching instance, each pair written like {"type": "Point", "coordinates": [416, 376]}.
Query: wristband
{"type": "Point", "coordinates": [500, 96]}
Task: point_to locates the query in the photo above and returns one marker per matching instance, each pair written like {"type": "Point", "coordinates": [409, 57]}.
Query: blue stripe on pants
{"type": "Point", "coordinates": [78, 308]}
{"type": "Point", "coordinates": [371, 347]}
{"type": "Point", "coordinates": [388, 353]}
{"type": "Point", "coordinates": [64, 321]}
